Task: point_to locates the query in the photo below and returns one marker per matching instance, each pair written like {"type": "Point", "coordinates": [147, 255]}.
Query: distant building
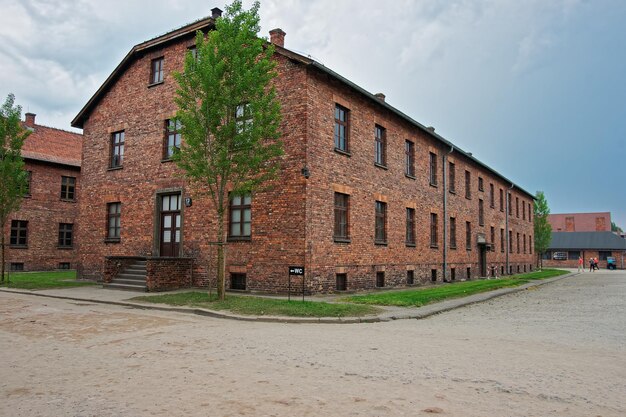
{"type": "Point", "coordinates": [567, 247]}
{"type": "Point", "coordinates": [580, 222]}
{"type": "Point", "coordinates": [41, 234]}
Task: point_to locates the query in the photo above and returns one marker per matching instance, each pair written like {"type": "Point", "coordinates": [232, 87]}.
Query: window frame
{"type": "Point", "coordinates": [481, 184]}
{"type": "Point", "coordinates": [117, 143]}
{"type": "Point", "coordinates": [29, 177]}
{"type": "Point", "coordinates": [18, 237]}
{"type": "Point", "coordinates": [380, 146]}
{"type": "Point", "coordinates": [172, 138]}
{"type": "Point", "coordinates": [341, 217]}
{"type": "Point", "coordinates": [114, 222]}
{"type": "Point", "coordinates": [380, 224]}
{"type": "Point", "coordinates": [432, 163]}
{"type": "Point", "coordinates": [409, 158]}
{"type": "Point", "coordinates": [434, 236]}
{"type": "Point", "coordinates": [452, 177]}
{"type": "Point", "coordinates": [492, 196]}
{"type": "Point", "coordinates": [410, 227]}
{"type": "Point", "coordinates": [453, 233]}
{"type": "Point", "coordinates": [66, 235]}
{"type": "Point", "coordinates": [157, 75]}
{"type": "Point", "coordinates": [468, 235]}
{"type": "Point", "coordinates": [242, 208]}
{"type": "Point", "coordinates": [468, 184]}
{"type": "Point", "coordinates": [481, 212]}
{"type": "Point", "coordinates": [339, 123]}
{"type": "Point", "coordinates": [68, 188]}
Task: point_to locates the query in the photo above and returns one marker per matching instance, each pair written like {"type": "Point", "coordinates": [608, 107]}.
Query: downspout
{"type": "Point", "coordinates": [445, 213]}
{"type": "Point", "coordinates": [508, 234]}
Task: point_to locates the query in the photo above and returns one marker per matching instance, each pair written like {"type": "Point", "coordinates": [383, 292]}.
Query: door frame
{"type": "Point", "coordinates": [156, 240]}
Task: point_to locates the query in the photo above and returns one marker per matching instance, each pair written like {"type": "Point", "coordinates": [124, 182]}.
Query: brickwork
{"type": "Point", "coordinates": [169, 273]}
{"type": "Point", "coordinates": [586, 254]}
{"type": "Point", "coordinates": [292, 220]}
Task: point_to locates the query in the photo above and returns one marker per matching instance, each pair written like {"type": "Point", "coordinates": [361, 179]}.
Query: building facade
{"type": "Point", "coordinates": [367, 197]}
{"type": "Point", "coordinates": [567, 247]}
{"type": "Point", "coordinates": [580, 222]}
{"type": "Point", "coordinates": [41, 235]}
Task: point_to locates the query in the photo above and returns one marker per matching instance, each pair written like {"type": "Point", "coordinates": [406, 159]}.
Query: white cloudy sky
{"type": "Point", "coordinates": [534, 88]}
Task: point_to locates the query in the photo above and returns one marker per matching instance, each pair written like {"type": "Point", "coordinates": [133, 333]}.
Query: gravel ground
{"type": "Point", "coordinates": [554, 350]}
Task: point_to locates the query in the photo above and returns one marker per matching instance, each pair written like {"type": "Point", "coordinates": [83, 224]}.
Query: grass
{"type": "Point", "coordinates": [43, 280]}
{"type": "Point", "coordinates": [423, 296]}
{"type": "Point", "coordinates": [259, 306]}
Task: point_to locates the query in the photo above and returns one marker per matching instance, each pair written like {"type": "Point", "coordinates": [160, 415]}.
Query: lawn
{"type": "Point", "coordinates": [260, 306]}
{"type": "Point", "coordinates": [44, 280]}
{"type": "Point", "coordinates": [423, 296]}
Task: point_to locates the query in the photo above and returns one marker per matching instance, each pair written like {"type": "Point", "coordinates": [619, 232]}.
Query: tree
{"type": "Point", "coordinates": [13, 177]}
{"type": "Point", "coordinates": [229, 116]}
{"type": "Point", "coordinates": [616, 228]}
{"type": "Point", "coordinates": [543, 229]}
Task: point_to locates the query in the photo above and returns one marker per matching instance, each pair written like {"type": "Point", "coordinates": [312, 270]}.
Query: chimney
{"type": "Point", "coordinates": [216, 12]}
{"type": "Point", "coordinates": [30, 119]}
{"type": "Point", "coordinates": [277, 37]}
{"type": "Point", "coordinates": [380, 96]}
{"type": "Point", "coordinates": [432, 129]}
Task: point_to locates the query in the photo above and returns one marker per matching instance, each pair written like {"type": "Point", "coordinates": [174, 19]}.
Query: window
{"type": "Point", "coordinates": [501, 200]}
{"type": "Point", "coordinates": [64, 265]}
{"type": "Point", "coordinates": [29, 175]}
{"type": "Point", "coordinates": [453, 274]}
{"type": "Point", "coordinates": [381, 145]}
{"type": "Point", "coordinates": [530, 244]}
{"type": "Point", "coordinates": [524, 240]}
{"type": "Point", "coordinates": [510, 241]}
{"type": "Point", "coordinates": [603, 254]}
{"type": "Point", "coordinates": [517, 207]}
{"type": "Point", "coordinates": [410, 226]}
{"type": "Point", "coordinates": [468, 184]}
{"type": "Point", "coordinates": [433, 230]}
{"type": "Point", "coordinates": [452, 233]}
{"type": "Point", "coordinates": [19, 233]}
{"type": "Point", "coordinates": [468, 271]}
{"type": "Point", "coordinates": [380, 279]}
{"type": "Point", "coordinates": [65, 235]}
{"type": "Point", "coordinates": [530, 213]}
{"type": "Point", "coordinates": [481, 213]}
{"type": "Point", "coordinates": [341, 231]}
{"type": "Point", "coordinates": [381, 222]}
{"type": "Point", "coordinates": [451, 177]}
{"type": "Point", "coordinates": [481, 186]}
{"type": "Point", "coordinates": [433, 169]}
{"type": "Point", "coordinates": [117, 149]}
{"type": "Point", "coordinates": [16, 266]}
{"type": "Point", "coordinates": [237, 281]}
{"type": "Point", "coordinates": [433, 275]}
{"type": "Point", "coordinates": [68, 186]}
{"type": "Point", "coordinates": [341, 128]}
{"type": "Point", "coordinates": [409, 158]}
{"type": "Point", "coordinates": [492, 197]}
{"type": "Point", "coordinates": [410, 277]}
{"type": "Point", "coordinates": [517, 241]}
{"type": "Point", "coordinates": [492, 235]}
{"type": "Point", "coordinates": [172, 137]}
{"type": "Point", "coordinates": [523, 210]}
{"type": "Point", "coordinates": [156, 70]}
{"type": "Point", "coordinates": [508, 196]}
{"type": "Point", "coordinates": [468, 235]}
{"type": "Point", "coordinates": [341, 282]}
{"type": "Point", "coordinates": [240, 217]}
{"type": "Point", "coordinates": [243, 118]}
{"type": "Point", "coordinates": [114, 211]}
{"type": "Point", "coordinates": [501, 240]}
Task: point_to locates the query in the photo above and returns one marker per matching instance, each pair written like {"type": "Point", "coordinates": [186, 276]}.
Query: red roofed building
{"type": "Point", "coordinates": [41, 234]}
{"type": "Point", "coordinates": [580, 222]}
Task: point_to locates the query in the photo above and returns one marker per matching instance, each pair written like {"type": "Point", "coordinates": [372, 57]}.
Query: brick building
{"type": "Point", "coordinates": [367, 197]}
{"type": "Point", "coordinates": [580, 222]}
{"type": "Point", "coordinates": [41, 233]}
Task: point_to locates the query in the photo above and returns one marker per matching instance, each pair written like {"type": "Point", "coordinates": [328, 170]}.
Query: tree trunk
{"type": "Point", "coordinates": [2, 260]}
{"type": "Point", "coordinates": [221, 259]}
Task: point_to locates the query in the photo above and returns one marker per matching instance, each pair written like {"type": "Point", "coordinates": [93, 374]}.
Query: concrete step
{"type": "Point", "coordinates": [128, 281]}
{"type": "Point", "coordinates": [133, 271]}
{"type": "Point", "coordinates": [136, 276]}
{"type": "Point", "coordinates": [125, 287]}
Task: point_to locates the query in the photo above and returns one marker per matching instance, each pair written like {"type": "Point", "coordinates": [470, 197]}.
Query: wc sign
{"type": "Point", "coordinates": [296, 270]}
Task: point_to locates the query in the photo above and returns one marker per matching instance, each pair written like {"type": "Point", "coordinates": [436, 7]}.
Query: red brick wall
{"type": "Point", "coordinates": [44, 210]}
{"type": "Point", "coordinates": [292, 220]}
{"type": "Point", "coordinates": [586, 254]}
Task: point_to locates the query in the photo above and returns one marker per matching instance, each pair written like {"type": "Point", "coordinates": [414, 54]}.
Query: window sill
{"type": "Point", "coordinates": [239, 239]}
{"type": "Point", "coordinates": [27, 196]}
{"type": "Point", "coordinates": [112, 240]}
{"type": "Point", "coordinates": [410, 244]}
{"type": "Point", "coordinates": [468, 249]}
{"type": "Point", "coordinates": [165, 160]}
{"type": "Point", "coordinates": [376, 164]}
{"type": "Point", "coordinates": [434, 184]}
{"type": "Point", "coordinates": [114, 168]}
{"type": "Point", "coordinates": [342, 240]}
{"type": "Point", "coordinates": [155, 84]}
{"type": "Point", "coordinates": [452, 191]}
{"type": "Point", "coordinates": [468, 197]}
{"type": "Point", "coordinates": [434, 246]}
{"type": "Point", "coordinates": [342, 152]}
{"type": "Point", "coordinates": [452, 247]}
{"type": "Point", "coordinates": [18, 246]}
{"type": "Point", "coordinates": [65, 247]}
{"type": "Point", "coordinates": [409, 176]}
{"type": "Point", "coordinates": [67, 200]}
{"type": "Point", "coordinates": [380, 242]}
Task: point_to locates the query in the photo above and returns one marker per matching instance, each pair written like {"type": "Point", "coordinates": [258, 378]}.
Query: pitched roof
{"type": "Point", "coordinates": [49, 144]}
{"type": "Point", "coordinates": [587, 240]}
{"type": "Point", "coordinates": [208, 23]}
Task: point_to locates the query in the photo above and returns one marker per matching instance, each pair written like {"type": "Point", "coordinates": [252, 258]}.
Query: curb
{"type": "Point", "coordinates": [427, 311]}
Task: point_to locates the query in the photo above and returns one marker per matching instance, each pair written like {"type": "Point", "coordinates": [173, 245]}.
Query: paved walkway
{"type": "Point", "coordinates": [97, 294]}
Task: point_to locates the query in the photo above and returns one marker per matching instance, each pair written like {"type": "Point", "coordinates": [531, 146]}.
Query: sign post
{"type": "Point", "coordinates": [298, 271]}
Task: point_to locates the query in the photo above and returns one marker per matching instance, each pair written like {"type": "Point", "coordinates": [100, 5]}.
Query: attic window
{"type": "Point", "coordinates": [156, 70]}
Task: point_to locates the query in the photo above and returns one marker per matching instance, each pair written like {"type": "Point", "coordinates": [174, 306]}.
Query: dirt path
{"type": "Point", "coordinates": [558, 350]}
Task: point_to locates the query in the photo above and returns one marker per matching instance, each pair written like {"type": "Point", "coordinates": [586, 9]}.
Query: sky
{"type": "Point", "coordinates": [535, 89]}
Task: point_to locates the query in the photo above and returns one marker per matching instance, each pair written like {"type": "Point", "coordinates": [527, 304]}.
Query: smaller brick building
{"type": "Point", "coordinates": [580, 222]}
{"type": "Point", "coordinates": [40, 236]}
{"type": "Point", "coordinates": [566, 247]}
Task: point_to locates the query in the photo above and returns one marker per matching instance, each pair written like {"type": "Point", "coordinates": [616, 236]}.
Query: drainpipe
{"type": "Point", "coordinates": [508, 235]}
{"type": "Point", "coordinates": [445, 213]}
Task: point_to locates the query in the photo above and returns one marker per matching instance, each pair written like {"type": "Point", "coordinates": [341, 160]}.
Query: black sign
{"type": "Point", "coordinates": [296, 270]}
{"type": "Point", "coordinates": [188, 202]}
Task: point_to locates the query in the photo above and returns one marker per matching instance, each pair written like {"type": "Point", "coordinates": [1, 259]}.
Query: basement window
{"type": "Point", "coordinates": [341, 282]}
{"type": "Point", "coordinates": [16, 266]}
{"type": "Point", "coordinates": [237, 281]}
